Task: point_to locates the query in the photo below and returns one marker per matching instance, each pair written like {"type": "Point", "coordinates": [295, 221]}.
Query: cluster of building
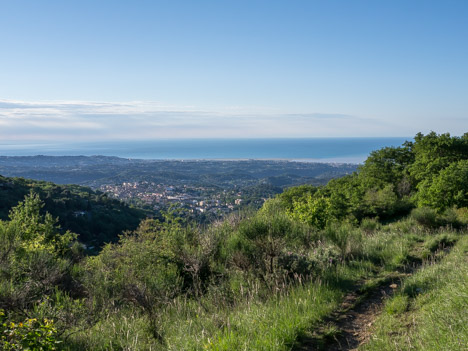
{"type": "Point", "coordinates": [196, 199]}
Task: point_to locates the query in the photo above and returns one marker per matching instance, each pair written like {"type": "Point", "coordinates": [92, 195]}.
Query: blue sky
{"type": "Point", "coordinates": [97, 70]}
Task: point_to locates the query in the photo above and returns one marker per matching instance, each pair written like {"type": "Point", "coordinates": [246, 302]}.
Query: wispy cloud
{"type": "Point", "coordinates": [92, 121]}
{"type": "Point", "coordinates": [322, 115]}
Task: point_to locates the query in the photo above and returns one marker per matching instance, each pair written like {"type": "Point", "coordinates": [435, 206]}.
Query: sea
{"type": "Point", "coordinates": [336, 150]}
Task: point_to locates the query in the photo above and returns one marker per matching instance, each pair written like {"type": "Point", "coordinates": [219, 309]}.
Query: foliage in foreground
{"type": "Point", "coordinates": [29, 334]}
{"type": "Point", "coordinates": [255, 281]}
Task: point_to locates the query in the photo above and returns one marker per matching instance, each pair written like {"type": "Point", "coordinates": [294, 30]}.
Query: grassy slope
{"type": "Point", "coordinates": [430, 312]}
{"type": "Point", "coordinates": [277, 322]}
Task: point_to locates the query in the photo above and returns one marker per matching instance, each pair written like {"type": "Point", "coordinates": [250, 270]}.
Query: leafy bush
{"type": "Point", "coordinates": [462, 215]}
{"type": "Point", "coordinates": [261, 241]}
{"type": "Point", "coordinates": [382, 202]}
{"type": "Point", "coordinates": [370, 225]}
{"type": "Point", "coordinates": [294, 194]}
{"type": "Point", "coordinates": [450, 218]}
{"type": "Point", "coordinates": [425, 216]}
{"type": "Point", "coordinates": [430, 218]}
{"type": "Point", "coordinates": [315, 211]}
{"type": "Point", "coordinates": [140, 270]}
{"type": "Point", "coordinates": [30, 334]}
{"type": "Point", "coordinates": [35, 258]}
{"type": "Point", "coordinates": [296, 265]}
{"type": "Point", "coordinates": [347, 239]}
{"type": "Point", "coordinates": [449, 188]}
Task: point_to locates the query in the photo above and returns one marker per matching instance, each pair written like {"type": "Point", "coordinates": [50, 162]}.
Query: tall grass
{"type": "Point", "coordinates": [244, 313]}
{"type": "Point", "coordinates": [257, 324]}
{"type": "Point", "coordinates": [276, 324]}
{"type": "Point", "coordinates": [430, 311]}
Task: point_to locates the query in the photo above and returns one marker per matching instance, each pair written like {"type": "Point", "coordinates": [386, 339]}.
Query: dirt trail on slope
{"type": "Point", "coordinates": [350, 325]}
{"type": "Point", "coordinates": [353, 319]}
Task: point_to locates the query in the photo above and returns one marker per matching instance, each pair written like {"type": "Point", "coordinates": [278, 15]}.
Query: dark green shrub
{"type": "Point", "coordinates": [319, 258]}
{"type": "Point", "coordinates": [370, 225]}
{"type": "Point", "coordinates": [429, 218]}
{"type": "Point", "coordinates": [296, 265]}
{"type": "Point", "coordinates": [382, 202]}
{"type": "Point", "coordinates": [425, 216]}
{"type": "Point", "coordinates": [346, 238]}
{"type": "Point", "coordinates": [449, 219]}
{"type": "Point", "coordinates": [140, 270]}
{"type": "Point", "coordinates": [259, 242]}
{"type": "Point", "coordinates": [439, 242]}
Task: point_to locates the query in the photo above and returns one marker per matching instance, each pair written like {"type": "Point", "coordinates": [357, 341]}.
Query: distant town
{"type": "Point", "coordinates": [201, 199]}
{"type": "Point", "coordinates": [202, 189]}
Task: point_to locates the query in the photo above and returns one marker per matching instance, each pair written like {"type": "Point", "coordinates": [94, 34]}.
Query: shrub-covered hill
{"type": "Point", "coordinates": [96, 218]}
{"type": "Point", "coordinates": [430, 173]}
{"type": "Point", "coordinates": [256, 280]}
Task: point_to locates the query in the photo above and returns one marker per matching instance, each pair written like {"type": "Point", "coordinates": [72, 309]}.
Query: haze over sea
{"type": "Point", "coordinates": [351, 150]}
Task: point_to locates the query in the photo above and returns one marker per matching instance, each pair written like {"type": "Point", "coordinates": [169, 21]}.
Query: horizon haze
{"type": "Point", "coordinates": [102, 71]}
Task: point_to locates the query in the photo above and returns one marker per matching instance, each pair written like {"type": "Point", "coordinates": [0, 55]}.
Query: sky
{"type": "Point", "coordinates": [111, 70]}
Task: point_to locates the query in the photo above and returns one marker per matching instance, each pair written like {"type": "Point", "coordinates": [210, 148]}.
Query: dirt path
{"type": "Point", "coordinates": [349, 326]}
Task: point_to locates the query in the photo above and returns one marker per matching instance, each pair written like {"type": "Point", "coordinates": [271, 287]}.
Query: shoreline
{"type": "Point", "coordinates": [329, 160]}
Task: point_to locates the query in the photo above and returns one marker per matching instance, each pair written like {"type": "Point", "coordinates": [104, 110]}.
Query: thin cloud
{"type": "Point", "coordinates": [98, 121]}
{"type": "Point", "coordinates": [322, 115]}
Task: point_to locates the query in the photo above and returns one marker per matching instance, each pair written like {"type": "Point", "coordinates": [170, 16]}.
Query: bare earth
{"type": "Point", "coordinates": [353, 319]}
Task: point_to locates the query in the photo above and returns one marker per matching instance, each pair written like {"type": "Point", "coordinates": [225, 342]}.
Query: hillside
{"type": "Point", "coordinates": [373, 260]}
{"type": "Point", "coordinates": [94, 216]}
{"type": "Point", "coordinates": [95, 171]}
{"type": "Point", "coordinates": [204, 190]}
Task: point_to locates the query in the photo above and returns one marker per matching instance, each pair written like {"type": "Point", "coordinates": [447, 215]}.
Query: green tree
{"type": "Point", "coordinates": [37, 231]}
{"type": "Point", "coordinates": [386, 166]}
{"type": "Point", "coordinates": [449, 188]}
{"type": "Point", "coordinates": [36, 260]}
{"type": "Point", "coordinates": [435, 152]}
{"type": "Point", "coordinates": [345, 196]}
{"type": "Point", "coordinates": [314, 211]}
{"type": "Point", "coordinates": [381, 202]}
{"type": "Point", "coordinates": [290, 195]}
